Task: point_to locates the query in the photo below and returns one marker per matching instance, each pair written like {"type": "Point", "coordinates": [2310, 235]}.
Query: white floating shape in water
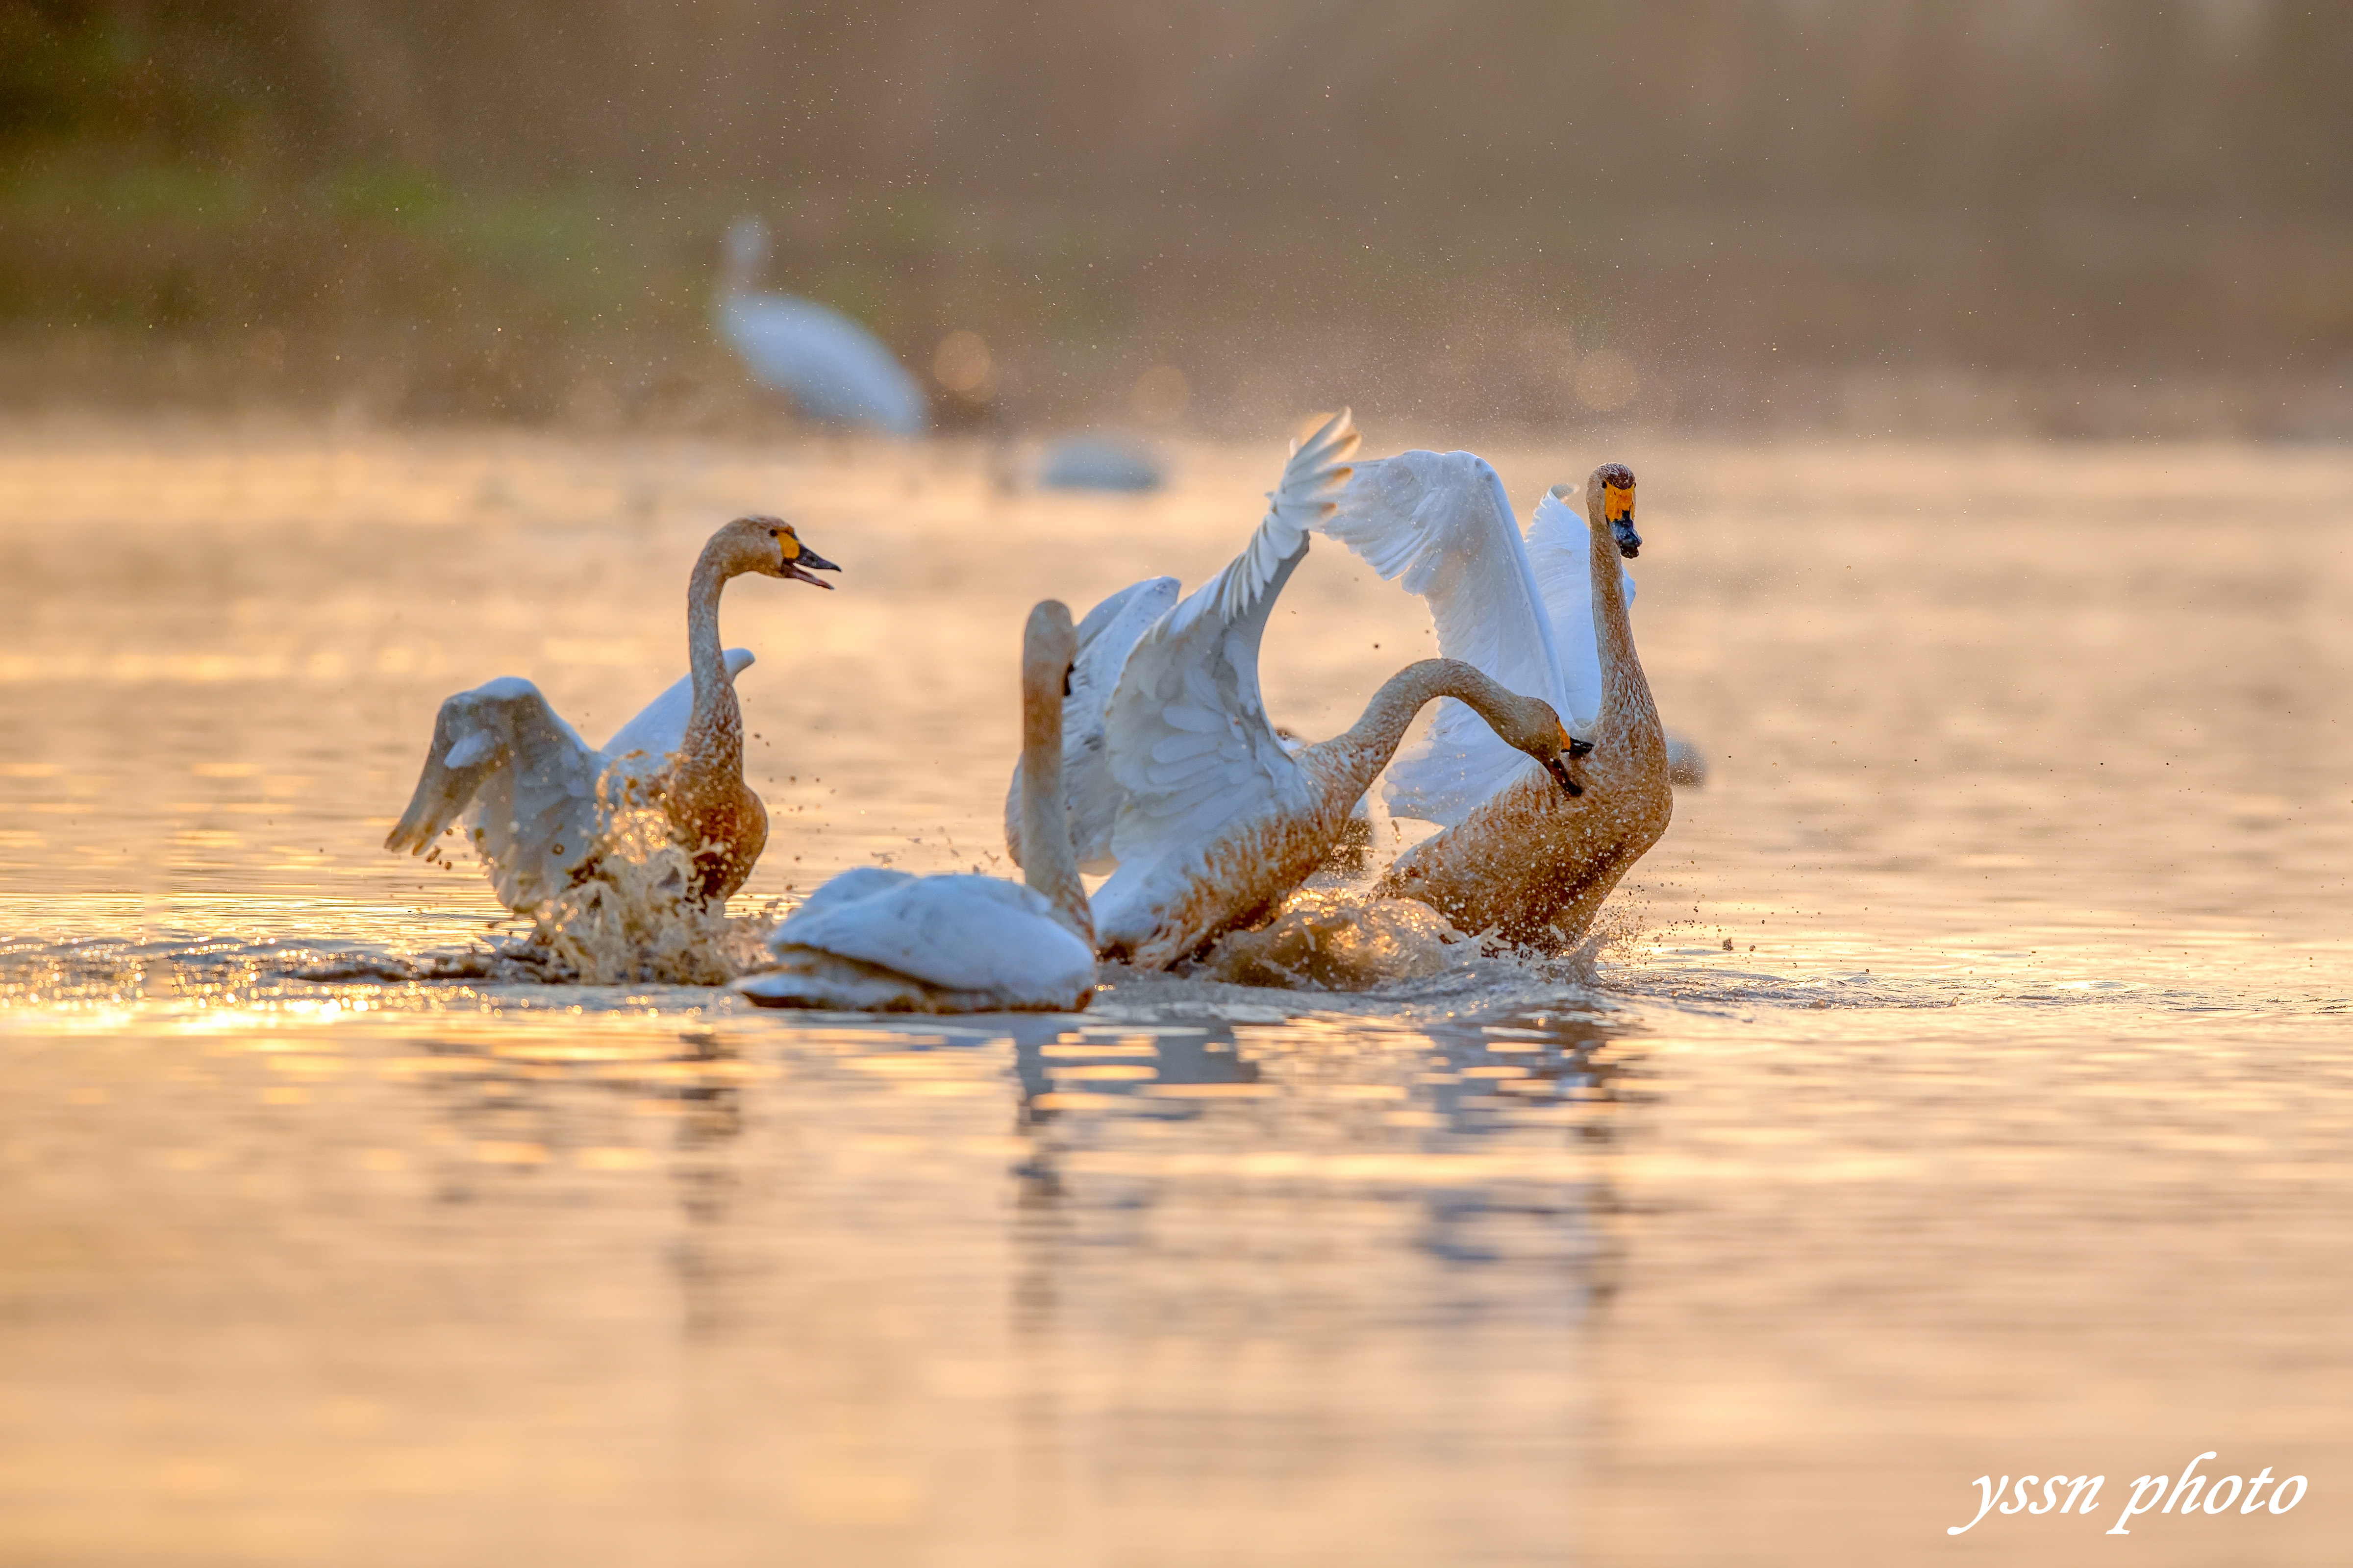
{"type": "Point", "coordinates": [1096, 461]}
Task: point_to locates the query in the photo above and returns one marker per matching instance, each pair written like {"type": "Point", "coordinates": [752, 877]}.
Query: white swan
{"type": "Point", "coordinates": [530, 788]}
{"type": "Point", "coordinates": [1176, 776]}
{"type": "Point", "coordinates": [829, 364]}
{"type": "Point", "coordinates": [877, 941]}
{"type": "Point", "coordinates": [1517, 857]}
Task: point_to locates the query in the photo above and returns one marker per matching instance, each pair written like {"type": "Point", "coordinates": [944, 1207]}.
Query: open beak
{"type": "Point", "coordinates": [1617, 504]}
{"type": "Point", "coordinates": [799, 567]}
{"type": "Point", "coordinates": [1559, 771]}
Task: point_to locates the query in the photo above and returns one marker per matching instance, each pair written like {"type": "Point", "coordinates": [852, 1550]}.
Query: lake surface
{"type": "Point", "coordinates": [2009, 1133]}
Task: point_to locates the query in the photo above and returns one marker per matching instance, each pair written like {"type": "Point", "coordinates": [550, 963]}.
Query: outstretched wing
{"type": "Point", "coordinates": [1106, 637]}
{"type": "Point", "coordinates": [1559, 549]}
{"type": "Point", "coordinates": [1187, 731]}
{"type": "Point", "coordinates": [1440, 525]}
{"type": "Point", "coordinates": [525, 782]}
{"type": "Point", "coordinates": [660, 727]}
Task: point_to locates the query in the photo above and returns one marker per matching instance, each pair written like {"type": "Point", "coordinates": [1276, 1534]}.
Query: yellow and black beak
{"type": "Point", "coordinates": [800, 561]}
{"type": "Point", "coordinates": [1570, 746]}
{"type": "Point", "coordinates": [1618, 507]}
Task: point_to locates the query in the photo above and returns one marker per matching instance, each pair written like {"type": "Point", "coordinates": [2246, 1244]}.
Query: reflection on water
{"type": "Point", "coordinates": [1964, 1089]}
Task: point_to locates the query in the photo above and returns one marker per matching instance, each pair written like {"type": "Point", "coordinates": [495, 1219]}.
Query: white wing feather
{"type": "Point", "coordinates": [1559, 546]}
{"type": "Point", "coordinates": [1186, 731]}
{"type": "Point", "coordinates": [525, 783]}
{"type": "Point", "coordinates": [1106, 637]}
{"type": "Point", "coordinates": [1440, 524]}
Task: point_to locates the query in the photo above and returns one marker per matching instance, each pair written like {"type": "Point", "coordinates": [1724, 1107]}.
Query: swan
{"type": "Point", "coordinates": [1179, 785]}
{"type": "Point", "coordinates": [537, 798]}
{"type": "Point", "coordinates": [873, 939]}
{"type": "Point", "coordinates": [827, 364]}
{"type": "Point", "coordinates": [1548, 615]}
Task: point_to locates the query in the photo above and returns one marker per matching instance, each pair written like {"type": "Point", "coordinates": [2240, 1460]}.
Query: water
{"type": "Point", "coordinates": [2009, 1133]}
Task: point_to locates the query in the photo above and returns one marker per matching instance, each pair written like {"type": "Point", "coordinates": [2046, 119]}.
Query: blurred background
{"type": "Point", "coordinates": [2102, 217]}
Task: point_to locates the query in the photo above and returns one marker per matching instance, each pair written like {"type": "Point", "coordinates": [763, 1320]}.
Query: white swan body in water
{"type": "Point", "coordinates": [879, 940]}
{"type": "Point", "coordinates": [1518, 858]}
{"type": "Point", "coordinates": [538, 800]}
{"type": "Point", "coordinates": [1522, 610]}
{"type": "Point", "coordinates": [829, 364]}
{"type": "Point", "coordinates": [1179, 780]}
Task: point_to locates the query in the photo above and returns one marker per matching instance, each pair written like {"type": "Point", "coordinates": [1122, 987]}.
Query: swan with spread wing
{"type": "Point", "coordinates": [537, 798]}
{"type": "Point", "coordinates": [1544, 614]}
{"type": "Point", "coordinates": [1178, 781]}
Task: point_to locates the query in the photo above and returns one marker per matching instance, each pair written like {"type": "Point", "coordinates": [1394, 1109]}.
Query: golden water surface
{"type": "Point", "coordinates": [2008, 1134]}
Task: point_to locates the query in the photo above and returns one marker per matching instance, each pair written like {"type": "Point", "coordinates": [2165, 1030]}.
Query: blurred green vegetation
{"type": "Point", "coordinates": [440, 210]}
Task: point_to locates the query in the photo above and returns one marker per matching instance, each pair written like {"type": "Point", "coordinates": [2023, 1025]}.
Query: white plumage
{"type": "Point", "coordinates": [829, 364]}
{"type": "Point", "coordinates": [969, 935]}
{"type": "Point", "coordinates": [1440, 524]}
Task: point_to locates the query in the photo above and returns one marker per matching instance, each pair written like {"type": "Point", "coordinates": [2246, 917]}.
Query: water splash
{"type": "Point", "coordinates": [635, 919]}
{"type": "Point", "coordinates": [1341, 939]}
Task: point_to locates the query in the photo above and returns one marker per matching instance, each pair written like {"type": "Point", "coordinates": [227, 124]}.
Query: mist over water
{"type": "Point", "coordinates": [1965, 1075]}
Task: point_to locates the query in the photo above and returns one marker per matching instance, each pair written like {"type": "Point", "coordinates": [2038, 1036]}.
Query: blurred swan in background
{"type": "Point", "coordinates": [879, 940]}
{"type": "Point", "coordinates": [1098, 460]}
{"type": "Point", "coordinates": [1517, 857]}
{"type": "Point", "coordinates": [829, 364]}
{"type": "Point", "coordinates": [1176, 776]}
{"type": "Point", "coordinates": [530, 788]}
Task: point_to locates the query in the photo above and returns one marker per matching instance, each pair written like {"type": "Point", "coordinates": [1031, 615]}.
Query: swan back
{"type": "Point", "coordinates": [960, 932]}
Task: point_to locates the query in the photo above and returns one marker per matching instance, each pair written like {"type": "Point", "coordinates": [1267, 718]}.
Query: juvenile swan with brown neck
{"type": "Point", "coordinates": [537, 799]}
{"type": "Point", "coordinates": [1531, 862]}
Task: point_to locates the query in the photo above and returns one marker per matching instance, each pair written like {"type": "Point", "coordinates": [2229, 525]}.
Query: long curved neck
{"type": "Point", "coordinates": [1626, 705]}
{"type": "Point", "coordinates": [1346, 763]}
{"type": "Point", "coordinates": [1050, 866]}
{"type": "Point", "coordinates": [714, 731]}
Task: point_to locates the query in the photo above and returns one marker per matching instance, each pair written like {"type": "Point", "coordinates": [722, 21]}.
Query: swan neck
{"type": "Point", "coordinates": [1348, 762]}
{"type": "Point", "coordinates": [1050, 865]}
{"type": "Point", "coordinates": [1625, 691]}
{"type": "Point", "coordinates": [714, 731]}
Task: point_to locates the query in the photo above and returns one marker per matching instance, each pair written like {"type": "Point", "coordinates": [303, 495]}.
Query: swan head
{"type": "Point", "coordinates": [1049, 645]}
{"type": "Point", "coordinates": [768, 546]}
{"type": "Point", "coordinates": [1530, 724]}
{"type": "Point", "coordinates": [1609, 499]}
